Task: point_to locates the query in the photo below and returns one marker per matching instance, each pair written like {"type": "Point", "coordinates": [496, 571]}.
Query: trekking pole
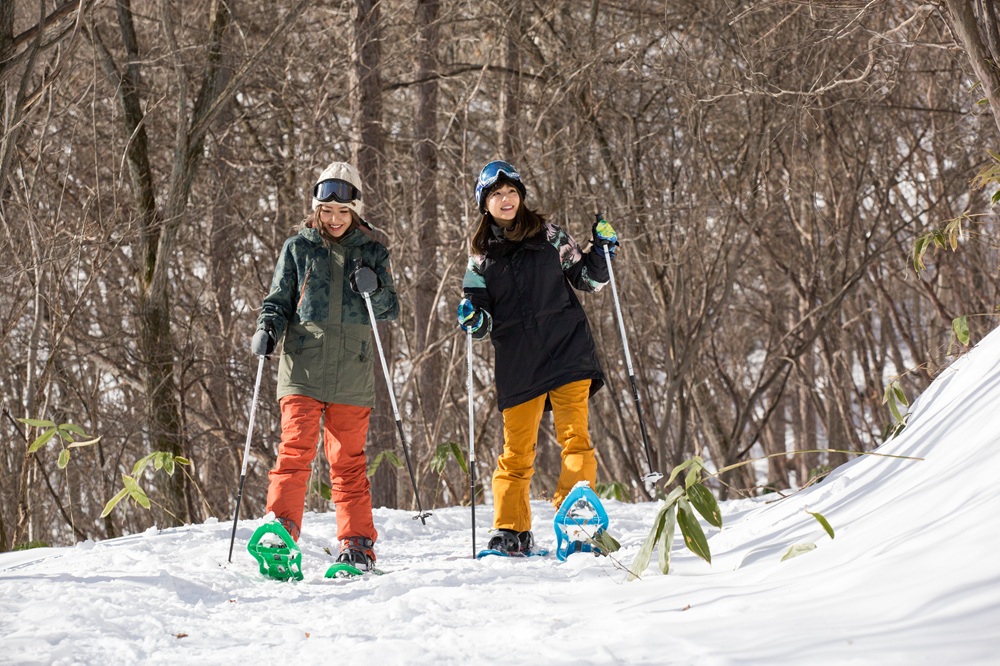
{"type": "Point", "coordinates": [392, 398]}
{"type": "Point", "coordinates": [472, 448]}
{"type": "Point", "coordinates": [652, 476]}
{"type": "Point", "coordinates": [246, 454]}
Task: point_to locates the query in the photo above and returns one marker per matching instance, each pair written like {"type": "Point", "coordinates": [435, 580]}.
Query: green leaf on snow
{"type": "Point", "coordinates": [694, 536]}
{"type": "Point", "coordinates": [797, 550]}
{"type": "Point", "coordinates": [645, 553]}
{"type": "Point", "coordinates": [666, 540]}
{"type": "Point", "coordinates": [606, 543]}
{"type": "Point", "coordinates": [822, 521]}
{"type": "Point", "coordinates": [703, 501]}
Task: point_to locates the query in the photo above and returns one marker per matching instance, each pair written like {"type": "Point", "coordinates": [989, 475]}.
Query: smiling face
{"type": "Point", "coordinates": [502, 204]}
{"type": "Point", "coordinates": [335, 218]}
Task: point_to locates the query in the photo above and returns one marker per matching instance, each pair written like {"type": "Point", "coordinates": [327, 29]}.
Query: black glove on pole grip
{"type": "Point", "coordinates": [363, 279]}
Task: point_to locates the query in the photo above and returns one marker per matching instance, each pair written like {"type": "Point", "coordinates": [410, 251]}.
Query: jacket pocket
{"type": "Point", "coordinates": [357, 372]}
{"type": "Point", "coordinates": [359, 348]}
{"type": "Point", "coordinates": [301, 337]}
{"type": "Point", "coordinates": [302, 359]}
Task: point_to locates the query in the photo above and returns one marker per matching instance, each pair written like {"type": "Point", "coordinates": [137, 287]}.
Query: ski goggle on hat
{"type": "Point", "coordinates": [490, 174]}
{"type": "Point", "coordinates": [335, 189]}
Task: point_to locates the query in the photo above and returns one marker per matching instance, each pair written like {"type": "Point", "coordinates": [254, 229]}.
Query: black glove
{"type": "Point", "coordinates": [363, 279]}
{"type": "Point", "coordinates": [263, 340]}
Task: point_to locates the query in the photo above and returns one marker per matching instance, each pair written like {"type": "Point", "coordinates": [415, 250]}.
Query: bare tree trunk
{"type": "Point", "coordinates": [159, 231]}
{"type": "Point", "coordinates": [153, 251]}
{"type": "Point", "coordinates": [224, 235]}
{"type": "Point", "coordinates": [428, 279]}
{"type": "Point", "coordinates": [774, 441]}
{"type": "Point", "coordinates": [368, 145]}
{"type": "Point", "coordinates": [23, 526]}
{"type": "Point", "coordinates": [19, 55]}
{"type": "Point", "coordinates": [976, 24]}
{"type": "Point", "coordinates": [8, 102]}
{"type": "Point", "coordinates": [805, 412]}
{"type": "Point", "coordinates": [510, 91]}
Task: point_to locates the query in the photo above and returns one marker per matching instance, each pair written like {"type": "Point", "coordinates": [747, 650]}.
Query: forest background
{"type": "Point", "coordinates": [802, 190]}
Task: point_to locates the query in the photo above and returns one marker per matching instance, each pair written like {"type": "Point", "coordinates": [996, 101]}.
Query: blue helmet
{"type": "Point", "coordinates": [491, 173]}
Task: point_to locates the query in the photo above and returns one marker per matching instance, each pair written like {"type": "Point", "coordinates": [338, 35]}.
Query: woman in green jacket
{"type": "Point", "coordinates": [326, 372]}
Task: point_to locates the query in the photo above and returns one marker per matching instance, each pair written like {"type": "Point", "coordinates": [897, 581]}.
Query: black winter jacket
{"type": "Point", "coordinates": [539, 330]}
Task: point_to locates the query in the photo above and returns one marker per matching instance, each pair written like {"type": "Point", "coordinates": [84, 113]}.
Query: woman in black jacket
{"type": "Point", "coordinates": [519, 290]}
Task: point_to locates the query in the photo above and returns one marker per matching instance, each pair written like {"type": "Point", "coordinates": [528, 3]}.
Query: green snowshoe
{"type": "Point", "coordinates": [276, 552]}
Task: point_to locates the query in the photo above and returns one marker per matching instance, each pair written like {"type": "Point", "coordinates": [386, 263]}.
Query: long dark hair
{"type": "Point", "coordinates": [527, 223]}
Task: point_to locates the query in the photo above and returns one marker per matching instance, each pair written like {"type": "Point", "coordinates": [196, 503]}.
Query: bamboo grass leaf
{"type": "Point", "coordinates": [42, 440]}
{"type": "Point", "coordinates": [798, 549]}
{"type": "Point", "coordinates": [703, 501]}
{"type": "Point", "coordinates": [665, 543]}
{"type": "Point", "coordinates": [641, 560]}
{"type": "Point", "coordinates": [694, 536]}
{"type": "Point", "coordinates": [960, 325]}
{"type": "Point", "coordinates": [110, 506]}
{"type": "Point", "coordinates": [37, 423]}
{"type": "Point", "coordinates": [822, 521]}
{"type": "Point", "coordinates": [86, 442]}
{"type": "Point", "coordinates": [73, 428]}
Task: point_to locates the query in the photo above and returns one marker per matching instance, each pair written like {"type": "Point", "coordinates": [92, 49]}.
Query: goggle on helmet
{"type": "Point", "coordinates": [488, 177]}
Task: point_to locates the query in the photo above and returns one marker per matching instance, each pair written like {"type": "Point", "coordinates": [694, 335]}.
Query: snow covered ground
{"type": "Point", "coordinates": [912, 577]}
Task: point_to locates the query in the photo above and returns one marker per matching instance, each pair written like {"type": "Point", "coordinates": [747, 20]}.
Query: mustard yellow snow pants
{"type": "Point", "coordinates": [570, 413]}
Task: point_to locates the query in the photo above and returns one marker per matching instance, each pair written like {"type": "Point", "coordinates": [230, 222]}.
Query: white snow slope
{"type": "Point", "coordinates": [912, 577]}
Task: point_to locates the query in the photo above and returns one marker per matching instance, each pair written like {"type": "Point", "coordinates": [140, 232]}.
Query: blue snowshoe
{"type": "Point", "coordinates": [580, 523]}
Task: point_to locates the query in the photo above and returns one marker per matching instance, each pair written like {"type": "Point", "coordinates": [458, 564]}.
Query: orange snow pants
{"type": "Point", "coordinates": [344, 430]}
{"type": "Point", "coordinates": [570, 415]}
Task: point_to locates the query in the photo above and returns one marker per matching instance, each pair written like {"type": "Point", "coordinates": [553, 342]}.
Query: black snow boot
{"type": "Point", "coordinates": [358, 552]}
{"type": "Point", "coordinates": [511, 542]}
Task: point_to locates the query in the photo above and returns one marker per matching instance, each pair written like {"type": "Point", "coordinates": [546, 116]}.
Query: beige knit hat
{"type": "Point", "coordinates": [346, 172]}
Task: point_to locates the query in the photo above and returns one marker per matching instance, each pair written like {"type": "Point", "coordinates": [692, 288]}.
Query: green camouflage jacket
{"type": "Point", "coordinates": [328, 352]}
